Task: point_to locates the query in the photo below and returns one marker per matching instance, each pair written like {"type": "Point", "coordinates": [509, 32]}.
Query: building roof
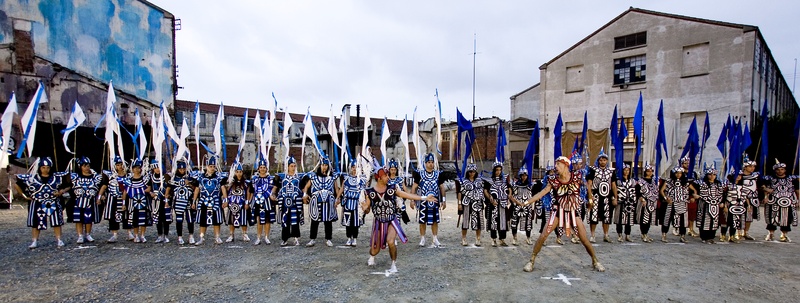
{"type": "Point", "coordinates": [524, 91]}
{"type": "Point", "coordinates": [744, 27]}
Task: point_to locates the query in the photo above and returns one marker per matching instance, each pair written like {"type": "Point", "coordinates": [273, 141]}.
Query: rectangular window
{"type": "Point", "coordinates": [178, 119]}
{"type": "Point", "coordinates": [629, 41]}
{"type": "Point", "coordinates": [575, 78]}
{"type": "Point", "coordinates": [630, 70]}
{"type": "Point", "coordinates": [695, 60]}
{"type": "Point", "coordinates": [250, 123]}
{"type": "Point", "coordinates": [202, 120]}
{"type": "Point", "coordinates": [631, 138]}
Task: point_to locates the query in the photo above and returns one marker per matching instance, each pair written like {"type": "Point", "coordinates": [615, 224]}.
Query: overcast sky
{"type": "Point", "coordinates": [392, 55]}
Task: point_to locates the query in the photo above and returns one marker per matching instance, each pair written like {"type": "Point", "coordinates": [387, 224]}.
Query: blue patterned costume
{"type": "Point", "coordinates": [44, 208]}
{"type": "Point", "coordinates": [209, 203]}
{"type": "Point", "coordinates": [290, 197]}
{"type": "Point", "coordinates": [322, 204]}
{"type": "Point", "coordinates": [263, 209]}
{"type": "Point", "coordinates": [113, 211]}
{"type": "Point", "coordinates": [85, 190]}
{"type": "Point", "coordinates": [238, 215]}
{"type": "Point", "coordinates": [181, 188]}
{"type": "Point", "coordinates": [428, 184]}
{"type": "Point", "coordinates": [137, 202]}
{"type": "Point", "coordinates": [353, 186]}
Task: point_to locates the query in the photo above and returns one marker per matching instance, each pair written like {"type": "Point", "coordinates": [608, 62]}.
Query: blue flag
{"type": "Point", "coordinates": [557, 136]}
{"type": "Point", "coordinates": [500, 153]}
{"type": "Point", "coordinates": [583, 132]}
{"type": "Point", "coordinates": [638, 128]}
{"type": "Point", "coordinates": [614, 129]}
{"type": "Point", "coordinates": [692, 146]}
{"type": "Point", "coordinates": [530, 151]}
{"type": "Point", "coordinates": [661, 138]}
{"type": "Point", "coordinates": [464, 125]}
{"type": "Point", "coordinates": [723, 137]}
{"type": "Point", "coordinates": [619, 151]}
{"type": "Point", "coordinates": [706, 135]}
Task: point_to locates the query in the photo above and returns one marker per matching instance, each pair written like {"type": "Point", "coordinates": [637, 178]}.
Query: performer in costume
{"type": "Point", "coordinates": [566, 188]}
{"type": "Point", "coordinates": [162, 209]}
{"type": "Point", "coordinates": [648, 201]}
{"type": "Point", "coordinates": [469, 192]}
{"type": "Point", "coordinates": [497, 191]}
{"type": "Point", "coordinates": [381, 200]}
{"type": "Point", "coordinates": [750, 185]}
{"type": "Point", "coordinates": [395, 178]}
{"type": "Point", "coordinates": [88, 189]}
{"type": "Point", "coordinates": [522, 215]}
{"type": "Point", "coordinates": [578, 165]}
{"type": "Point", "coordinates": [113, 212]}
{"type": "Point", "coordinates": [42, 190]}
{"type": "Point", "coordinates": [322, 203]}
{"type": "Point", "coordinates": [780, 209]}
{"type": "Point", "coordinates": [263, 207]}
{"type": "Point", "coordinates": [543, 206]}
{"type": "Point", "coordinates": [209, 194]}
{"type": "Point", "coordinates": [349, 194]}
{"type": "Point", "coordinates": [689, 177]}
{"type": "Point", "coordinates": [289, 195]}
{"type": "Point", "coordinates": [709, 194]}
{"type": "Point", "coordinates": [139, 214]}
{"type": "Point", "coordinates": [429, 182]}
{"type": "Point", "coordinates": [676, 193]}
{"type": "Point", "coordinates": [239, 194]}
{"type": "Point", "coordinates": [602, 186]}
{"type": "Point", "coordinates": [736, 206]}
{"type": "Point", "coordinates": [179, 194]}
{"type": "Point", "coordinates": [625, 211]}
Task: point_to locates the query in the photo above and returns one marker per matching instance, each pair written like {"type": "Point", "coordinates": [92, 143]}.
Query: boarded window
{"type": "Point", "coordinates": [695, 60]}
{"type": "Point", "coordinates": [575, 78]}
{"type": "Point", "coordinates": [633, 40]}
{"type": "Point", "coordinates": [630, 70]}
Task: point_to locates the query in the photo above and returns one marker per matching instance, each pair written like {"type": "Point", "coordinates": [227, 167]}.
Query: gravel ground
{"type": "Point", "coordinates": [655, 272]}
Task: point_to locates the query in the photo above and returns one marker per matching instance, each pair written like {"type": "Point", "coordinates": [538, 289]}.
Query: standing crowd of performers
{"type": "Point", "coordinates": [135, 199]}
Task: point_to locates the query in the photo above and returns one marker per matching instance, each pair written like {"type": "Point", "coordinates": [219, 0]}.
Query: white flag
{"type": "Point", "coordinates": [258, 131]}
{"type": "Point", "coordinates": [385, 133]}
{"type": "Point", "coordinates": [367, 124]}
{"type": "Point", "coordinates": [308, 132]}
{"type": "Point", "coordinates": [345, 144]}
{"type": "Point", "coordinates": [404, 140]}
{"type": "Point", "coordinates": [140, 135]}
{"type": "Point", "coordinates": [197, 131]}
{"type": "Point", "coordinates": [29, 120]}
{"type": "Point", "coordinates": [287, 124]}
{"type": "Point", "coordinates": [182, 149]}
{"type": "Point", "coordinates": [244, 135]}
{"type": "Point", "coordinates": [332, 129]}
{"type": "Point", "coordinates": [417, 146]}
{"type": "Point", "coordinates": [218, 131]}
{"type": "Point", "coordinates": [157, 124]}
{"type": "Point", "coordinates": [6, 125]}
{"type": "Point", "coordinates": [75, 119]}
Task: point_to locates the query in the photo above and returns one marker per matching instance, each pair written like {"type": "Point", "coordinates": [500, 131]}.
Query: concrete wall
{"type": "Point", "coordinates": [129, 42]}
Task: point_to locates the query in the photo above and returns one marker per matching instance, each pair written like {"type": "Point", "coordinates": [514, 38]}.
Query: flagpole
{"type": "Point", "coordinates": [52, 134]}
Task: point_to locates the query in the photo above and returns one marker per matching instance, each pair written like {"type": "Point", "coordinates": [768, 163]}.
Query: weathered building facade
{"type": "Point", "coordinates": [76, 48]}
{"type": "Point", "coordinates": [694, 65]}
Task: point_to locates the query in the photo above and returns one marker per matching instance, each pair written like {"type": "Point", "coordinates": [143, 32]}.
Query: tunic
{"type": "Point", "coordinates": [137, 202]}
{"type": "Point", "coordinates": [182, 191]}
{"type": "Point", "coordinates": [44, 208]}
{"type": "Point", "coordinates": [565, 201]}
{"type": "Point", "coordinates": [352, 188]}
{"type": "Point", "coordinates": [209, 202]}
{"type": "Point", "coordinates": [498, 215]}
{"type": "Point", "coordinates": [113, 210]}
{"type": "Point", "coordinates": [749, 184]}
{"type": "Point", "coordinates": [602, 178]}
{"type": "Point", "coordinates": [648, 189]}
{"type": "Point", "coordinates": [290, 198]}
{"type": "Point", "coordinates": [428, 184]}
{"type": "Point", "coordinates": [522, 216]}
{"type": "Point", "coordinates": [263, 208]}
{"type": "Point", "coordinates": [737, 205]}
{"type": "Point", "coordinates": [158, 185]}
{"type": "Point", "coordinates": [238, 214]}
{"type": "Point", "coordinates": [322, 205]}
{"type": "Point", "coordinates": [676, 213]}
{"type": "Point", "coordinates": [385, 211]}
{"type": "Point", "coordinates": [711, 196]}
{"type": "Point", "coordinates": [625, 212]}
{"type": "Point", "coordinates": [85, 190]}
{"type": "Point", "coordinates": [472, 200]}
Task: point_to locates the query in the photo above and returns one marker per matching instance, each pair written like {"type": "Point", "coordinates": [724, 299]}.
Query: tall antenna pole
{"type": "Point", "coordinates": [794, 81]}
{"type": "Point", "coordinates": [475, 52]}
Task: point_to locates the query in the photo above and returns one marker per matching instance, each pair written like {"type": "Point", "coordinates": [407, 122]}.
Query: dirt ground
{"type": "Point", "coordinates": [238, 271]}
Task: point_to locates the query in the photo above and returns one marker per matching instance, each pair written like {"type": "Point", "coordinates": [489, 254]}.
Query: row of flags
{"type": "Point", "coordinates": [167, 144]}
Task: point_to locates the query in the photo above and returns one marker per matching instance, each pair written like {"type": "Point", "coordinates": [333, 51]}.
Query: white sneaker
{"type": "Point", "coordinates": [80, 239]}
{"type": "Point", "coordinates": [166, 240]}
{"type": "Point", "coordinates": [296, 242]}
{"type": "Point", "coordinates": [131, 237]}
{"type": "Point", "coordinates": [371, 261]}
{"type": "Point", "coordinates": [218, 241]}
{"type": "Point", "coordinates": [144, 240]}
{"type": "Point", "coordinates": [180, 241]}
{"type": "Point", "coordinates": [393, 269]}
{"type": "Point", "coordinates": [198, 243]}
{"type": "Point", "coordinates": [113, 239]}
{"type": "Point", "coordinates": [191, 239]}
{"type": "Point", "coordinates": [311, 243]}
{"type": "Point", "coordinates": [266, 241]}
{"type": "Point", "coordinates": [435, 242]}
{"type": "Point", "coordinates": [33, 245]}
{"type": "Point", "coordinates": [422, 241]}
{"type": "Point", "coordinates": [284, 243]}
{"type": "Point", "coordinates": [349, 241]}
{"type": "Point", "coordinates": [89, 238]}
{"type": "Point", "coordinates": [229, 239]}
{"type": "Point", "coordinates": [354, 242]}
{"type": "Point", "coordinates": [246, 238]}
{"type": "Point", "coordinates": [329, 243]}
{"type": "Point", "coordinates": [136, 240]}
{"type": "Point", "coordinates": [60, 243]}
{"type": "Point", "coordinates": [257, 242]}
{"type": "Point", "coordinates": [160, 239]}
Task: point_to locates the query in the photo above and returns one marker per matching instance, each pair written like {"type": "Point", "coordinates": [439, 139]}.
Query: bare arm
{"type": "Point", "coordinates": [542, 193]}
{"type": "Point", "coordinates": [406, 195]}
